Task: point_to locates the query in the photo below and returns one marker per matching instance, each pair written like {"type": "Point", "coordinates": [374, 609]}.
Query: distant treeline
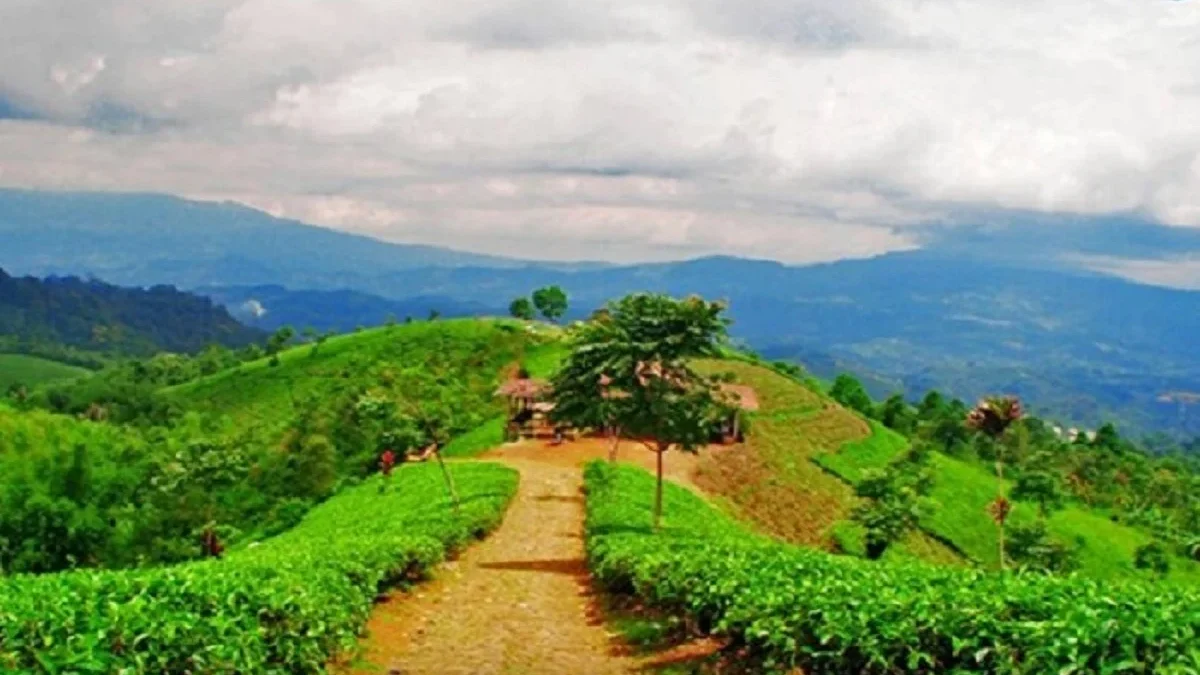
{"type": "Point", "coordinates": [84, 322]}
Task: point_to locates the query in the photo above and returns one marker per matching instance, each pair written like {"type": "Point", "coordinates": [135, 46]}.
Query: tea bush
{"type": "Point", "coordinates": [789, 606]}
{"type": "Point", "coordinates": [284, 606]}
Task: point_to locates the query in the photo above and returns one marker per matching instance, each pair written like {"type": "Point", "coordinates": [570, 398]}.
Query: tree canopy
{"type": "Point", "coordinates": [551, 302]}
{"type": "Point", "coordinates": [629, 368]}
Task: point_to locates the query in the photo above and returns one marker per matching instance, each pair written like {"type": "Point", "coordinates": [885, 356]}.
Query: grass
{"type": "Point", "coordinates": [881, 448]}
{"type": "Point", "coordinates": [32, 371]}
{"type": "Point", "coordinates": [257, 392]}
{"type": "Point", "coordinates": [963, 491]}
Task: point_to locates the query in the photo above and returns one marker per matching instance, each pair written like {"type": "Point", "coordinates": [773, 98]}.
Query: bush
{"type": "Point", "coordinates": [285, 606]}
{"type": "Point", "coordinates": [789, 607]}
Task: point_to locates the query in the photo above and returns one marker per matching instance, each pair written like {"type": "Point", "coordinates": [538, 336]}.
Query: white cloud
{"type": "Point", "coordinates": [795, 129]}
{"type": "Point", "coordinates": [1176, 272]}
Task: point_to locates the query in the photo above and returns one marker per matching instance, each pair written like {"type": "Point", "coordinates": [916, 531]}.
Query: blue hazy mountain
{"type": "Point", "coordinates": [142, 239]}
{"type": "Point", "coordinates": [995, 303]}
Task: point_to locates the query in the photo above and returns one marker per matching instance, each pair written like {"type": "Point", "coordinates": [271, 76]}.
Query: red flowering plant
{"type": "Point", "coordinates": [387, 462]}
{"type": "Point", "coordinates": [993, 416]}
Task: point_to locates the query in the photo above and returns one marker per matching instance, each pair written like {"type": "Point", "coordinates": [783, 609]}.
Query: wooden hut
{"type": "Point", "coordinates": [528, 407]}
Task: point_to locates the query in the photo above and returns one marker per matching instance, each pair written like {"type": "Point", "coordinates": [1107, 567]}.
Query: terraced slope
{"type": "Point", "coordinates": [773, 480]}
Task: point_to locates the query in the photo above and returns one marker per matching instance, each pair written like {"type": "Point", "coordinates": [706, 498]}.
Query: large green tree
{"type": "Point", "coordinates": [629, 369]}
{"type": "Point", "coordinates": [551, 302]}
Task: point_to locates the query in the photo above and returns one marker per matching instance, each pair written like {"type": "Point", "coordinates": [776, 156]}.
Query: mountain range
{"type": "Point", "coordinates": [997, 302]}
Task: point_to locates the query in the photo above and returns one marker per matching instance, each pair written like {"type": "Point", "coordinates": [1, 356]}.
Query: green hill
{"type": "Point", "coordinates": [795, 478]}
{"type": "Point", "coordinates": [250, 448]}
{"type": "Point", "coordinates": [21, 369]}
{"type": "Point", "coordinates": [73, 318]}
{"type": "Point", "coordinates": [467, 352]}
{"type": "Point", "coordinates": [962, 492]}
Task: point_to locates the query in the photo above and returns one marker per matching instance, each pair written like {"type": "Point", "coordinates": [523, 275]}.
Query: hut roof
{"type": "Point", "coordinates": [523, 388]}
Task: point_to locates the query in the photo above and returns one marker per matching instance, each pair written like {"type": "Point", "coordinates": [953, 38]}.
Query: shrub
{"type": "Point", "coordinates": [285, 606]}
{"type": "Point", "coordinates": [789, 607]}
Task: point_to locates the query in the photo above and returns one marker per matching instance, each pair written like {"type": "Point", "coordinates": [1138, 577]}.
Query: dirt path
{"type": "Point", "coordinates": [519, 602]}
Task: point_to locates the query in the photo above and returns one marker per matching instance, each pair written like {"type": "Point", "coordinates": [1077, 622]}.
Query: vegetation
{"type": "Point", "coordinates": [783, 607]}
{"type": "Point", "coordinates": [521, 308]}
{"type": "Point", "coordinates": [69, 318]}
{"type": "Point", "coordinates": [629, 370]}
{"type": "Point", "coordinates": [245, 451]}
{"type": "Point", "coordinates": [285, 606]}
{"type": "Point", "coordinates": [1083, 503]}
{"type": "Point", "coordinates": [551, 302]}
{"type": "Point", "coordinates": [19, 371]}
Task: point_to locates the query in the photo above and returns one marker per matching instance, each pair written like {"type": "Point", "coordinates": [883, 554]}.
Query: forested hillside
{"type": "Point", "coordinates": [245, 450]}
{"type": "Point", "coordinates": [67, 318]}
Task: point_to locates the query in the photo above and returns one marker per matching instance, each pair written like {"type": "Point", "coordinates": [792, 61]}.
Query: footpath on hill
{"type": "Point", "coordinates": [521, 600]}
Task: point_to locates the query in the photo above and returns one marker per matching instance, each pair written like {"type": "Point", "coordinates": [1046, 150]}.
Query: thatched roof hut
{"type": "Point", "coordinates": [524, 388]}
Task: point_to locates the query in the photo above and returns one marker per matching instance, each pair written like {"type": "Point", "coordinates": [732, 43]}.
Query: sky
{"type": "Point", "coordinates": [796, 130]}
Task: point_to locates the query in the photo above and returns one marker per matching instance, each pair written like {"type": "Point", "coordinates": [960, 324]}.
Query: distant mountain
{"type": "Point", "coordinates": [271, 307]}
{"type": "Point", "coordinates": [145, 239]}
{"type": "Point", "coordinates": [993, 302]}
{"type": "Point", "coordinates": [60, 316]}
{"type": "Point", "coordinates": [1082, 347]}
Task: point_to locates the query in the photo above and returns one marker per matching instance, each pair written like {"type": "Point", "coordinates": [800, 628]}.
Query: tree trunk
{"type": "Point", "coordinates": [448, 478]}
{"type": "Point", "coordinates": [614, 442]}
{"type": "Point", "coordinates": [1000, 495]}
{"type": "Point", "coordinates": [658, 488]}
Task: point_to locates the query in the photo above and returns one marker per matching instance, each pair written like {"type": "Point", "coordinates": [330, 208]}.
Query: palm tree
{"type": "Point", "coordinates": [993, 416]}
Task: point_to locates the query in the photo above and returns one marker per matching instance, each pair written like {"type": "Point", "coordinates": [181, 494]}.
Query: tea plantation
{"type": "Point", "coordinates": [794, 607]}
{"type": "Point", "coordinates": [284, 606]}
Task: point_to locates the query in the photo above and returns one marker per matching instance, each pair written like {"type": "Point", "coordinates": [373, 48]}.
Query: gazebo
{"type": "Point", "coordinates": [528, 407]}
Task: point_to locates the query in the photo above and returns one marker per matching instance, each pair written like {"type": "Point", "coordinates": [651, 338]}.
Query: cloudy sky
{"type": "Point", "coordinates": [799, 130]}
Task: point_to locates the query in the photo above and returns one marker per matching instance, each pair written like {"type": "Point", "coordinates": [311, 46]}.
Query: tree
{"type": "Point", "coordinates": [551, 302]}
{"type": "Point", "coordinates": [1031, 547]}
{"type": "Point", "coordinates": [521, 308]}
{"type": "Point", "coordinates": [1042, 487]}
{"type": "Point", "coordinates": [278, 341]}
{"type": "Point", "coordinates": [1153, 557]}
{"type": "Point", "coordinates": [932, 406]}
{"type": "Point", "coordinates": [895, 500]}
{"type": "Point", "coordinates": [1107, 439]}
{"type": "Point", "coordinates": [895, 413]}
{"type": "Point", "coordinates": [848, 391]}
{"type": "Point", "coordinates": [992, 417]}
{"type": "Point", "coordinates": [638, 354]}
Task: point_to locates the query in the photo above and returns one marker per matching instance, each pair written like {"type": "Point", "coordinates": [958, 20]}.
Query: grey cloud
{"type": "Point", "coordinates": [807, 128]}
{"type": "Point", "coordinates": [541, 24]}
